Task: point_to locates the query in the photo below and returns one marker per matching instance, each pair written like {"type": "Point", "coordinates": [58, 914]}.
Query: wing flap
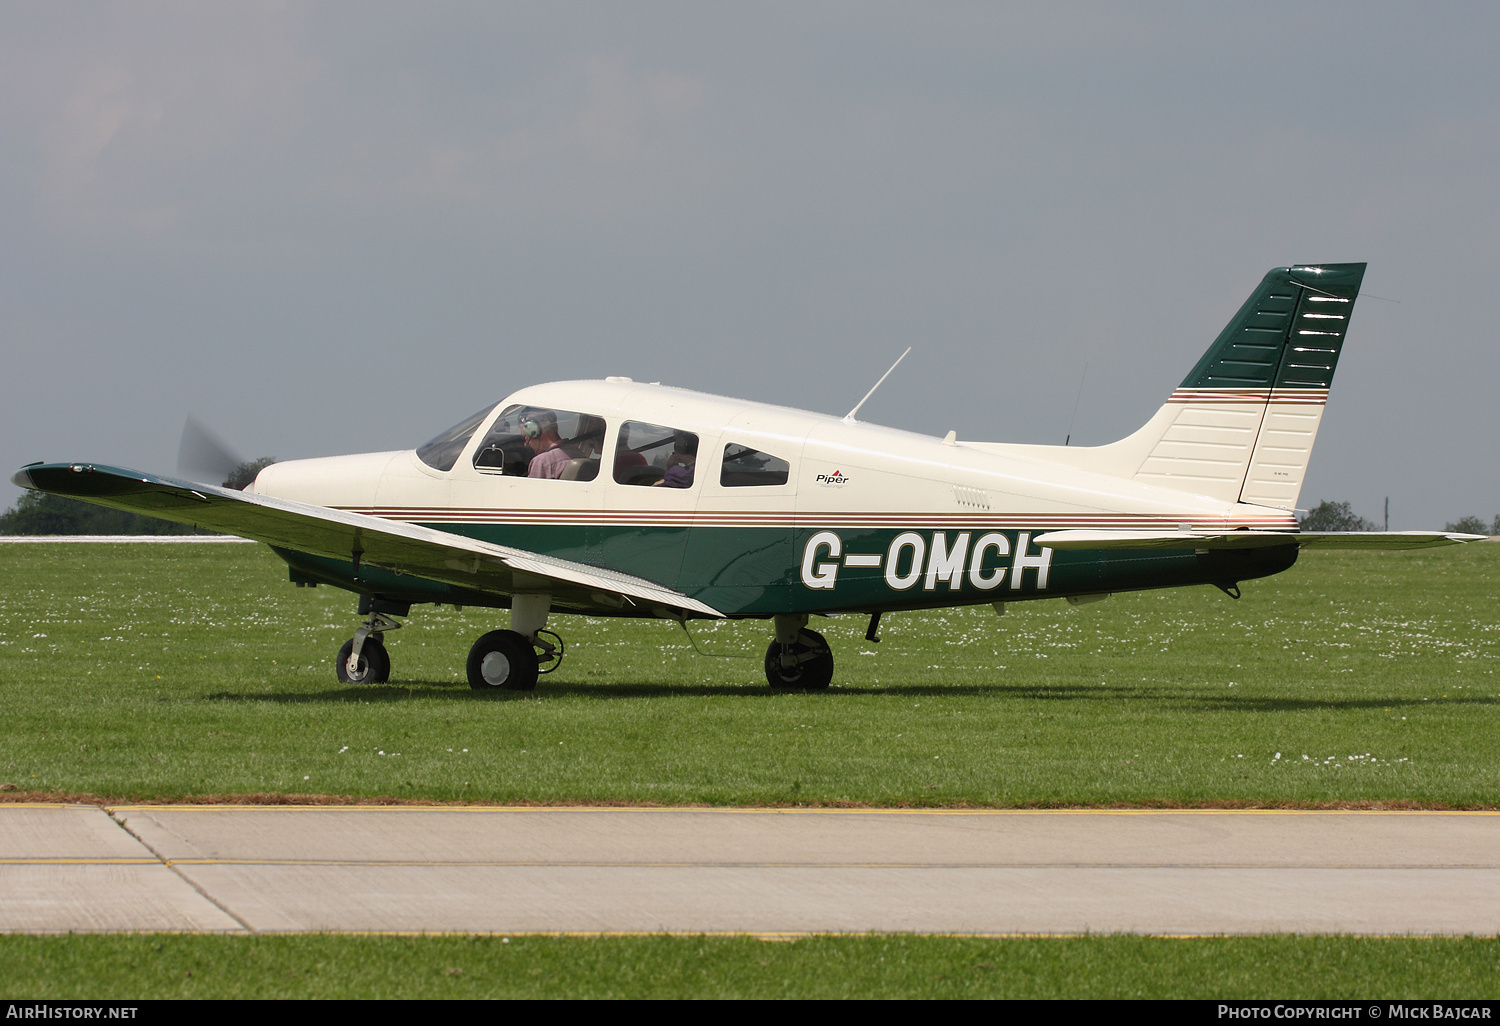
{"type": "Point", "coordinates": [367, 541]}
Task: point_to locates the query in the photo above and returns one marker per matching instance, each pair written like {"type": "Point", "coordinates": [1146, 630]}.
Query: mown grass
{"type": "Point", "coordinates": [320, 966]}
{"type": "Point", "coordinates": [170, 671]}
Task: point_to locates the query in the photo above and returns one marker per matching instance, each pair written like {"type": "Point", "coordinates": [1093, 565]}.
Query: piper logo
{"type": "Point", "coordinates": [836, 478]}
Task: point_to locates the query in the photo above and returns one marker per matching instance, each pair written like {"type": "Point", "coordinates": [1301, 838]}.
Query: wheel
{"type": "Point", "coordinates": [374, 663]}
{"type": "Point", "coordinates": [502, 659]}
{"type": "Point", "coordinates": [814, 667]}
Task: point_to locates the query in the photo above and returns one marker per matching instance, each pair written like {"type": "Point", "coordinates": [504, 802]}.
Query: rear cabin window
{"type": "Point", "coordinates": [650, 454]}
{"type": "Point", "coordinates": [535, 441]}
{"type": "Point", "coordinates": [442, 452]}
{"type": "Point", "coordinates": [744, 467]}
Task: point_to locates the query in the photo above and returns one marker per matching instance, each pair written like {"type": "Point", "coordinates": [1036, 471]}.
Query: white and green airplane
{"type": "Point", "coordinates": [615, 498]}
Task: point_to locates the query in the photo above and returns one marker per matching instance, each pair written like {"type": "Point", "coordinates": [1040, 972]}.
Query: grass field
{"type": "Point", "coordinates": [145, 672]}
{"type": "Point", "coordinates": [166, 671]}
{"type": "Point", "coordinates": [1219, 968]}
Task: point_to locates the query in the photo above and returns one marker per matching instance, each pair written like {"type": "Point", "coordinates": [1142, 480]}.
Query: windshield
{"type": "Point", "coordinates": [442, 452]}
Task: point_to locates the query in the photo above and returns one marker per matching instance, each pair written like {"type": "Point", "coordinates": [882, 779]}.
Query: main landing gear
{"type": "Point", "coordinates": [511, 660]}
{"type": "Point", "coordinates": [798, 658]}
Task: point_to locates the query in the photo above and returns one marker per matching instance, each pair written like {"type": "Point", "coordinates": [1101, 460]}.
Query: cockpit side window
{"type": "Point", "coordinates": [650, 454]}
{"type": "Point", "coordinates": [744, 467]}
{"type": "Point", "coordinates": [535, 441]}
{"type": "Point", "coordinates": [442, 452]}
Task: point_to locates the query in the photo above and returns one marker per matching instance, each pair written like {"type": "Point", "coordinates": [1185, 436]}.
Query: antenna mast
{"type": "Point", "coordinates": [1081, 379]}
{"type": "Point", "coordinates": [849, 417]}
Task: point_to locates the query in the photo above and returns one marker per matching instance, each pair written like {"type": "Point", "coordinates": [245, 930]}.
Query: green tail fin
{"type": "Point", "coordinates": [1287, 335]}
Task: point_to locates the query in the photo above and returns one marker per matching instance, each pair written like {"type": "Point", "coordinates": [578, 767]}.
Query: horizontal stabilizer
{"type": "Point", "coordinates": [1072, 540]}
{"type": "Point", "coordinates": [365, 540]}
{"type": "Point", "coordinates": [1383, 539]}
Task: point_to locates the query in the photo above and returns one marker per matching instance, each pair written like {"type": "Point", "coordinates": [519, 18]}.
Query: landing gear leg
{"type": "Point", "coordinates": [363, 659]}
{"type": "Point", "coordinates": [798, 658]}
{"type": "Point", "coordinates": [511, 660]}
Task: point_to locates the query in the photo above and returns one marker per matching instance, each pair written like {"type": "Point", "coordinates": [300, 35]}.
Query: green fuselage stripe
{"type": "Point", "coordinates": [755, 571]}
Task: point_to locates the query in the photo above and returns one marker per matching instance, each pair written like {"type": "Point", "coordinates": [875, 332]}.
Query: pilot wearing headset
{"type": "Point", "coordinates": [540, 429]}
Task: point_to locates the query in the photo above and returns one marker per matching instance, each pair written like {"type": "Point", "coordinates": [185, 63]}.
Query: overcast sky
{"type": "Point", "coordinates": [327, 228]}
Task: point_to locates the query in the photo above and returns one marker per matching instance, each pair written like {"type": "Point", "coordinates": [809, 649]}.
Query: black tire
{"type": "Point", "coordinates": [810, 674]}
{"type": "Point", "coordinates": [502, 660]}
{"type": "Point", "coordinates": [374, 663]}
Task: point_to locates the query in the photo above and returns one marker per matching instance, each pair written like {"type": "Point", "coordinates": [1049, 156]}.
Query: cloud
{"type": "Point", "coordinates": [142, 119]}
{"type": "Point", "coordinates": [592, 138]}
{"type": "Point", "coordinates": [153, 131]}
{"type": "Point", "coordinates": [179, 126]}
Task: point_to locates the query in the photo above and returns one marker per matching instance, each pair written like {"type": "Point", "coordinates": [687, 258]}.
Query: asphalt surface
{"type": "Point", "coordinates": [763, 872]}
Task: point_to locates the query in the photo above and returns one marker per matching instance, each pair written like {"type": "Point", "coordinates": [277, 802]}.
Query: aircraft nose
{"type": "Point", "coordinates": [21, 479]}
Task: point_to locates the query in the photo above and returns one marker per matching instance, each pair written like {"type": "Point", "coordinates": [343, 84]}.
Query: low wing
{"type": "Point", "coordinates": [369, 541]}
{"type": "Point", "coordinates": [1066, 540]}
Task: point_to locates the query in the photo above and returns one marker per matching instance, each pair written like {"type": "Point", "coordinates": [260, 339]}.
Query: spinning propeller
{"type": "Point", "coordinates": [204, 457]}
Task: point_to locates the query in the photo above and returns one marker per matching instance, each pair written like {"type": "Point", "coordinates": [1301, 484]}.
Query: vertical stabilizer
{"type": "Point", "coordinates": [1241, 426]}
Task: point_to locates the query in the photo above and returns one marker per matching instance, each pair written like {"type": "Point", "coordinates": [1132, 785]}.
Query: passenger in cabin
{"type": "Point", "coordinates": [588, 443]}
{"type": "Point", "coordinates": [541, 437]}
{"type": "Point", "coordinates": [625, 459]}
{"type": "Point", "coordinates": [682, 461]}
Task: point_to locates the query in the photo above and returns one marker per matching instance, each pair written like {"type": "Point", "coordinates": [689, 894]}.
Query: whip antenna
{"type": "Point", "coordinates": [1081, 379]}
{"type": "Point", "coordinates": [850, 415]}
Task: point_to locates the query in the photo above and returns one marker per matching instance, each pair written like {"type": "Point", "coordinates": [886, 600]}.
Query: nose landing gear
{"type": "Point", "coordinates": [371, 666]}
{"type": "Point", "coordinates": [798, 658]}
{"type": "Point", "coordinates": [363, 659]}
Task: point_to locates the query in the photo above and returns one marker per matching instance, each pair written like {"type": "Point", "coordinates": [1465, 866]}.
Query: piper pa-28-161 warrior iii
{"type": "Point", "coordinates": [612, 498]}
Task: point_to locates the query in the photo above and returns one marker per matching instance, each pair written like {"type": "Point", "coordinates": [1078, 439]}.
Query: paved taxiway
{"type": "Point", "coordinates": [235, 869]}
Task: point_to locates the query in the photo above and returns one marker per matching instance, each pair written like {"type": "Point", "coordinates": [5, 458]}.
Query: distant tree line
{"type": "Point", "coordinates": [1473, 525]}
{"type": "Point", "coordinates": [44, 513]}
{"type": "Point", "coordinates": [244, 473]}
{"type": "Point", "coordinates": [1337, 516]}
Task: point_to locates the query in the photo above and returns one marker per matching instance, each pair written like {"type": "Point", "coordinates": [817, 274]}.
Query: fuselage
{"type": "Point", "coordinates": [783, 510]}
